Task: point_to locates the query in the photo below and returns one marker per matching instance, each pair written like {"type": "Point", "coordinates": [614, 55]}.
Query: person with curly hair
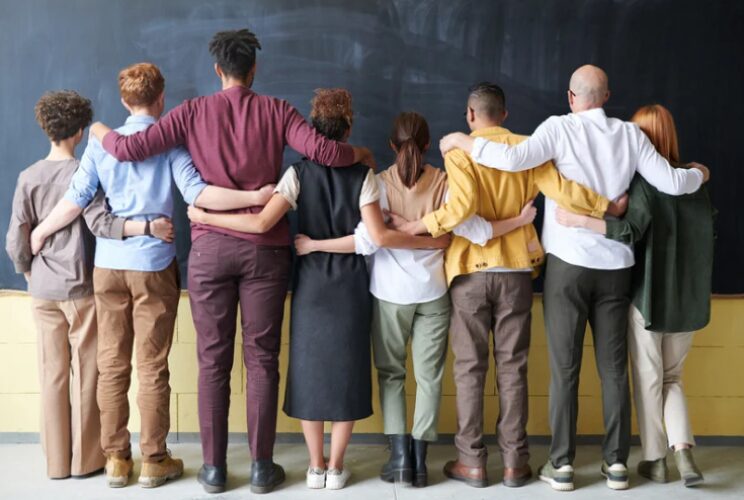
{"type": "Point", "coordinates": [236, 138]}
{"type": "Point", "coordinates": [60, 284]}
{"type": "Point", "coordinates": [329, 375]}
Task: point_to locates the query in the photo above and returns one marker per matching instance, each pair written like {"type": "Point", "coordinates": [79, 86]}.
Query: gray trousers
{"type": "Point", "coordinates": [574, 295]}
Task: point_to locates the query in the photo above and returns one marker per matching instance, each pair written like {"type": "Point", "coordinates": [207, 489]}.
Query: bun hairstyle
{"type": "Point", "coordinates": [410, 138]}
{"type": "Point", "coordinates": [657, 123]}
{"type": "Point", "coordinates": [331, 112]}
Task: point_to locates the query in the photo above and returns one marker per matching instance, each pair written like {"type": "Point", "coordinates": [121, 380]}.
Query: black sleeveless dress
{"type": "Point", "coordinates": [329, 375]}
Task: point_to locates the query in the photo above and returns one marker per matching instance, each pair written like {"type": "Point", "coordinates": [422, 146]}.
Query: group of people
{"type": "Point", "coordinates": [412, 255]}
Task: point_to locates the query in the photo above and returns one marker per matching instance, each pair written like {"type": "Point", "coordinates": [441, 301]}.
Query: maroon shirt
{"type": "Point", "coordinates": [236, 139]}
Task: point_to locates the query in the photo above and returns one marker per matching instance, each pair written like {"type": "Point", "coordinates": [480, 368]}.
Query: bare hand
{"type": "Point", "coordinates": [566, 218]}
{"type": "Point", "coordinates": [27, 275]}
{"type": "Point", "coordinates": [162, 229]}
{"type": "Point", "coordinates": [617, 208]}
{"type": "Point", "coordinates": [196, 215]}
{"type": "Point", "coordinates": [442, 242]}
{"type": "Point", "coordinates": [37, 241]}
{"type": "Point", "coordinates": [703, 169]}
{"type": "Point", "coordinates": [368, 159]}
{"type": "Point", "coordinates": [99, 131]}
{"type": "Point", "coordinates": [264, 194]}
{"type": "Point", "coordinates": [396, 221]}
{"type": "Point", "coordinates": [528, 213]}
{"type": "Point", "coordinates": [304, 244]}
{"type": "Point", "coordinates": [455, 140]}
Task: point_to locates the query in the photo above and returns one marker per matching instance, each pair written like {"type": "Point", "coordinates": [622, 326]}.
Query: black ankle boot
{"type": "Point", "coordinates": [212, 478]}
{"type": "Point", "coordinates": [418, 458]}
{"type": "Point", "coordinates": [265, 476]}
{"type": "Point", "coordinates": [399, 468]}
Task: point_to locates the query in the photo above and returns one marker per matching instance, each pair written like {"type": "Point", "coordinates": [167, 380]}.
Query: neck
{"type": "Point", "coordinates": [145, 112]}
{"type": "Point", "coordinates": [62, 150]}
{"type": "Point", "coordinates": [585, 107]}
{"type": "Point", "coordinates": [228, 83]}
{"type": "Point", "coordinates": [480, 125]}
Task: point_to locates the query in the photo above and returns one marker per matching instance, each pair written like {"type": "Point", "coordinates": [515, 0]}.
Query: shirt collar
{"type": "Point", "coordinates": [489, 131]}
{"type": "Point", "coordinates": [593, 113]}
{"type": "Point", "coordinates": [141, 119]}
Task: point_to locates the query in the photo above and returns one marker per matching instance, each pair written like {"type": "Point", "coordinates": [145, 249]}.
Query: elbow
{"type": "Point", "coordinates": [380, 238]}
{"type": "Point", "coordinates": [263, 226]}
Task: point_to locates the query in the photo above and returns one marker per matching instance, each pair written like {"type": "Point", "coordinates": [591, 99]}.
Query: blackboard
{"type": "Point", "coordinates": [397, 55]}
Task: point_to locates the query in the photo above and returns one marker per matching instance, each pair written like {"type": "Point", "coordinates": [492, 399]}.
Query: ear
{"type": "Point", "coordinates": [471, 114]}
{"type": "Point", "coordinates": [506, 114]}
{"type": "Point", "coordinates": [218, 71]}
{"type": "Point", "coordinates": [126, 106]}
{"type": "Point", "coordinates": [392, 146]}
{"type": "Point", "coordinates": [607, 96]}
{"type": "Point", "coordinates": [426, 148]}
{"type": "Point", "coordinates": [161, 99]}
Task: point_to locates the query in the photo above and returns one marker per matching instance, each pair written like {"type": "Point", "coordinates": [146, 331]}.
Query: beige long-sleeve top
{"type": "Point", "coordinates": [63, 268]}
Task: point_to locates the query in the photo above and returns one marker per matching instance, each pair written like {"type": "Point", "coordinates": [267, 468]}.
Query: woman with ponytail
{"type": "Point", "coordinates": [329, 376]}
{"type": "Point", "coordinates": [410, 300]}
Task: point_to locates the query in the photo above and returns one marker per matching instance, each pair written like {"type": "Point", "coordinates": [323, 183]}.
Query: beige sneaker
{"type": "Point", "coordinates": [118, 471]}
{"type": "Point", "coordinates": [154, 474]}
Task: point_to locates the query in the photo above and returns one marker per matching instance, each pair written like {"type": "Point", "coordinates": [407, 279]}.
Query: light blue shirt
{"type": "Point", "coordinates": [138, 191]}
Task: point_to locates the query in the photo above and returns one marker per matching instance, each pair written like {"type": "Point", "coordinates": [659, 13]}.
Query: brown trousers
{"type": "Point", "coordinates": [136, 309]}
{"type": "Point", "coordinates": [70, 426]}
{"type": "Point", "coordinates": [502, 303]}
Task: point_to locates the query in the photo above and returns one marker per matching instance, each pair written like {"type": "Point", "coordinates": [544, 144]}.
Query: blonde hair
{"type": "Point", "coordinates": [141, 84]}
{"type": "Point", "coordinates": [657, 123]}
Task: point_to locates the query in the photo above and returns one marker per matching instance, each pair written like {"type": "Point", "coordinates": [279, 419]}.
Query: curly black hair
{"type": "Point", "coordinates": [235, 51]}
{"type": "Point", "coordinates": [63, 113]}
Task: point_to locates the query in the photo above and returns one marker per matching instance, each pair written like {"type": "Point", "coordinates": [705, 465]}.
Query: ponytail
{"type": "Point", "coordinates": [410, 162]}
{"type": "Point", "coordinates": [410, 137]}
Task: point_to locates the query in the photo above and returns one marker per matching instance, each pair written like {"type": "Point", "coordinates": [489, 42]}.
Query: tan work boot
{"type": "Point", "coordinates": [118, 471]}
{"type": "Point", "coordinates": [154, 474]}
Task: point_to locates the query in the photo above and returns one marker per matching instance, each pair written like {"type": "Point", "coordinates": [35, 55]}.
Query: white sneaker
{"type": "Point", "coordinates": [336, 479]}
{"type": "Point", "coordinates": [617, 476]}
{"type": "Point", "coordinates": [315, 478]}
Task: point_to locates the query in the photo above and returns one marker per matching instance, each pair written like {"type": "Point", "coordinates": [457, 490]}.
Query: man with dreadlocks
{"type": "Point", "coordinates": [236, 138]}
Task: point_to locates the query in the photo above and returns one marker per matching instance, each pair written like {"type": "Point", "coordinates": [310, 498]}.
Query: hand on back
{"type": "Point", "coordinates": [528, 213]}
{"type": "Point", "coordinates": [702, 168]}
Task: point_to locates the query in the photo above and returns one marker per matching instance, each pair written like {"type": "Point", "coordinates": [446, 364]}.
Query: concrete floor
{"type": "Point", "coordinates": [22, 477]}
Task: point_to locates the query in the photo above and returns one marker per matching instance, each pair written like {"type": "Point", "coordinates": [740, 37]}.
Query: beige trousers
{"type": "Point", "coordinates": [70, 426]}
{"type": "Point", "coordinates": [136, 312]}
{"type": "Point", "coordinates": [656, 366]}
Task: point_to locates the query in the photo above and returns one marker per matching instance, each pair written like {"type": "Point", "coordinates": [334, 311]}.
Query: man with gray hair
{"type": "Point", "coordinates": [587, 276]}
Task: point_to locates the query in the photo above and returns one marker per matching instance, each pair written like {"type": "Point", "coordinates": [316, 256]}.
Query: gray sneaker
{"type": "Point", "coordinates": [616, 474]}
{"type": "Point", "coordinates": [655, 470]}
{"type": "Point", "coordinates": [691, 475]}
{"type": "Point", "coordinates": [560, 479]}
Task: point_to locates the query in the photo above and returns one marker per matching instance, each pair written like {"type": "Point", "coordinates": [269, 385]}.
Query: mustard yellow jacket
{"type": "Point", "coordinates": [497, 195]}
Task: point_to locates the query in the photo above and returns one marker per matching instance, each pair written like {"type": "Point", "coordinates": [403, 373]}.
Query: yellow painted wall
{"type": "Point", "coordinates": [714, 377]}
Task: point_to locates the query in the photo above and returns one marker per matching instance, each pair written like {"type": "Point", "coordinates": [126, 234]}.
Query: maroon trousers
{"type": "Point", "coordinates": [225, 271]}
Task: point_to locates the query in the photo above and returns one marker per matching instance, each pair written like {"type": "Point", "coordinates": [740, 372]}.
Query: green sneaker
{"type": "Point", "coordinates": [655, 470]}
{"type": "Point", "coordinates": [691, 475]}
{"type": "Point", "coordinates": [560, 479]}
{"type": "Point", "coordinates": [616, 474]}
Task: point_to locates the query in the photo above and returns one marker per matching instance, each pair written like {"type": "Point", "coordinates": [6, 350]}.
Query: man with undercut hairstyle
{"type": "Point", "coordinates": [587, 276]}
{"type": "Point", "coordinates": [491, 286]}
{"type": "Point", "coordinates": [236, 138]}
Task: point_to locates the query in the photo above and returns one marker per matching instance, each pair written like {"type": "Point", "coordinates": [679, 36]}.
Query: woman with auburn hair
{"type": "Point", "coordinates": [673, 238]}
{"type": "Point", "coordinates": [410, 299]}
{"type": "Point", "coordinates": [329, 376]}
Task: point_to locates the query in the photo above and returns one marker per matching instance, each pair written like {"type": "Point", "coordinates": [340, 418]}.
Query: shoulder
{"type": "Point", "coordinates": [458, 158]}
{"type": "Point", "coordinates": [437, 174]}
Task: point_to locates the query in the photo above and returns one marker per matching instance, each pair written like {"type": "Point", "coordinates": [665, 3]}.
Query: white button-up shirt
{"type": "Point", "coordinates": [602, 154]}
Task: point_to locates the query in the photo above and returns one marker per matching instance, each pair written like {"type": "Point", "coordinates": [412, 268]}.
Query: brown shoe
{"type": "Point", "coordinates": [472, 476]}
{"type": "Point", "coordinates": [154, 474]}
{"type": "Point", "coordinates": [118, 471]}
{"type": "Point", "coordinates": [515, 477]}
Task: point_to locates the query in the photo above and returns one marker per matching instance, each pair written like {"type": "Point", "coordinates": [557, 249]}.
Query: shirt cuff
{"type": "Point", "coordinates": [117, 228]}
{"type": "Point", "coordinates": [432, 225]}
{"type": "Point", "coordinates": [614, 229]}
{"type": "Point", "coordinates": [363, 244]}
{"type": "Point", "coordinates": [600, 208]}
{"type": "Point", "coordinates": [22, 267]}
{"type": "Point", "coordinates": [193, 192]}
{"type": "Point", "coordinates": [77, 198]}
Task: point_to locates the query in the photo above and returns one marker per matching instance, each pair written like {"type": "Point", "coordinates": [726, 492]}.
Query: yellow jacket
{"type": "Point", "coordinates": [497, 195]}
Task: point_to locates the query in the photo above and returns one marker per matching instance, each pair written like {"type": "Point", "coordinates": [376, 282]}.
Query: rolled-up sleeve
{"type": "Point", "coordinates": [85, 182]}
{"type": "Point", "coordinates": [22, 220]}
{"type": "Point", "coordinates": [289, 187]}
{"type": "Point", "coordinates": [101, 222]}
{"type": "Point", "coordinates": [185, 175]}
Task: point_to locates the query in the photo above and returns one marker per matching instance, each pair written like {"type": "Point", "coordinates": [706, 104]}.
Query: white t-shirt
{"type": "Point", "coordinates": [289, 188]}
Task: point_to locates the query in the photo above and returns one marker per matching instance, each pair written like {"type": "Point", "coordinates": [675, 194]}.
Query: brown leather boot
{"type": "Point", "coordinates": [514, 477]}
{"type": "Point", "coordinates": [472, 476]}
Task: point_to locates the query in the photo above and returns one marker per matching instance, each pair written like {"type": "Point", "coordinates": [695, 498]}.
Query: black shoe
{"type": "Point", "coordinates": [213, 478]}
{"type": "Point", "coordinates": [399, 468]}
{"type": "Point", "coordinates": [265, 476]}
{"type": "Point", "coordinates": [418, 458]}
